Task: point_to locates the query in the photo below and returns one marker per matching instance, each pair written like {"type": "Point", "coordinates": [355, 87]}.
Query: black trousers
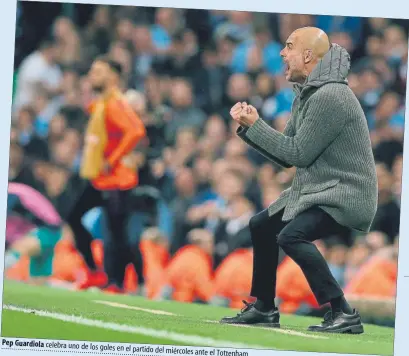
{"type": "Point", "coordinates": [117, 252]}
{"type": "Point", "coordinates": [295, 238]}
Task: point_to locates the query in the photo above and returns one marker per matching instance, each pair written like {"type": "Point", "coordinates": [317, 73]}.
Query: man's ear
{"type": "Point", "coordinates": [308, 56]}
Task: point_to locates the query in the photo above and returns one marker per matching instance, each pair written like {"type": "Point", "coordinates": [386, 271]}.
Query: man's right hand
{"type": "Point", "coordinates": [236, 111]}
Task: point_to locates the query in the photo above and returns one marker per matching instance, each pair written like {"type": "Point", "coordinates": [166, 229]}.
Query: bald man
{"type": "Point", "coordinates": [334, 190]}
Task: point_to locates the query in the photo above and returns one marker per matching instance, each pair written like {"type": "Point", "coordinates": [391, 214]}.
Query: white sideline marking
{"type": "Point", "coordinates": [163, 334]}
{"type": "Point", "coordinates": [277, 330]}
{"type": "Point", "coordinates": [126, 306]}
{"type": "Point", "coordinates": [162, 312]}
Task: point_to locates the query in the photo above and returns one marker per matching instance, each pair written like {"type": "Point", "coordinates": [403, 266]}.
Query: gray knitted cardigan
{"type": "Point", "coordinates": [327, 140]}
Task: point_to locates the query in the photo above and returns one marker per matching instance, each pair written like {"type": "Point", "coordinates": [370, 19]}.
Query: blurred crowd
{"type": "Point", "coordinates": [183, 70]}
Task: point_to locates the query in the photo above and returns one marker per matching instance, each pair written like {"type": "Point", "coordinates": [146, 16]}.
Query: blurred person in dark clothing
{"type": "Point", "coordinates": [400, 86]}
{"type": "Point", "coordinates": [254, 61]}
{"type": "Point", "coordinates": [120, 53]}
{"type": "Point", "coordinates": [124, 30]}
{"type": "Point", "coordinates": [97, 35]}
{"type": "Point", "coordinates": [263, 98]}
{"type": "Point", "coordinates": [68, 41]}
{"type": "Point", "coordinates": [212, 141]}
{"type": "Point", "coordinates": [66, 151]}
{"type": "Point", "coordinates": [168, 21]}
{"type": "Point", "coordinates": [236, 153]}
{"type": "Point", "coordinates": [273, 99]}
{"type": "Point", "coordinates": [225, 45]}
{"type": "Point", "coordinates": [21, 169]}
{"type": "Point", "coordinates": [266, 174]}
{"type": "Point", "coordinates": [183, 59]}
{"type": "Point", "coordinates": [396, 44]}
{"type": "Point", "coordinates": [239, 89]}
{"type": "Point", "coordinates": [202, 168]}
{"type": "Point", "coordinates": [197, 214]}
{"type": "Point", "coordinates": [210, 80]}
{"type": "Point", "coordinates": [233, 231]}
{"type": "Point", "coordinates": [156, 99]}
{"type": "Point", "coordinates": [387, 218]}
{"type": "Point", "coordinates": [60, 186]}
{"type": "Point", "coordinates": [58, 125]}
{"type": "Point", "coordinates": [184, 113]}
{"type": "Point", "coordinates": [186, 188]}
{"type": "Point", "coordinates": [164, 179]}
{"type": "Point", "coordinates": [46, 107]}
{"type": "Point", "coordinates": [386, 71]}
{"type": "Point", "coordinates": [74, 116]}
{"type": "Point", "coordinates": [374, 48]}
{"type": "Point", "coordinates": [380, 118]}
{"type": "Point", "coordinates": [26, 133]}
{"type": "Point", "coordinates": [375, 57]}
{"type": "Point", "coordinates": [144, 54]}
{"type": "Point", "coordinates": [199, 22]}
{"type": "Point", "coordinates": [215, 133]}
{"type": "Point", "coordinates": [135, 13]}
{"type": "Point", "coordinates": [371, 90]}
{"type": "Point", "coordinates": [184, 151]}
{"type": "Point", "coordinates": [211, 213]}
{"type": "Point", "coordinates": [272, 63]}
{"type": "Point", "coordinates": [375, 26]}
{"type": "Point", "coordinates": [387, 150]}
{"type": "Point", "coordinates": [239, 25]}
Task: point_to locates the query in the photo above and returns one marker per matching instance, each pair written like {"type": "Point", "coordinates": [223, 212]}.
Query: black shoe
{"type": "Point", "coordinates": [340, 323]}
{"type": "Point", "coordinates": [251, 316]}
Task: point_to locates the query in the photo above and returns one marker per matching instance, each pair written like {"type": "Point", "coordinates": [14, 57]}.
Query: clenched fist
{"type": "Point", "coordinates": [245, 115]}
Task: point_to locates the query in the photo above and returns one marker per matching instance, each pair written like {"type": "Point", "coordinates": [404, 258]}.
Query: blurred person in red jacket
{"type": "Point", "coordinates": [377, 277]}
{"type": "Point", "coordinates": [189, 275]}
{"type": "Point", "coordinates": [155, 250]}
{"type": "Point", "coordinates": [233, 278]}
{"type": "Point", "coordinates": [112, 133]}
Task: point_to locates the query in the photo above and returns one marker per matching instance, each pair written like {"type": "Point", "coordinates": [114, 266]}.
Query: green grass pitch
{"type": "Point", "coordinates": [41, 312]}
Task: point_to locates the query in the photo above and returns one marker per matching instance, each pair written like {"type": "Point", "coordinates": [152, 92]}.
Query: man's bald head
{"type": "Point", "coordinates": [304, 48]}
{"type": "Point", "coordinates": [314, 39]}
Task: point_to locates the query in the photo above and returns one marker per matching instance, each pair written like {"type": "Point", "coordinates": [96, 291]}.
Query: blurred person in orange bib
{"type": "Point", "coordinates": [189, 275]}
{"type": "Point", "coordinates": [112, 133]}
{"type": "Point", "coordinates": [233, 278]}
{"type": "Point", "coordinates": [154, 247]}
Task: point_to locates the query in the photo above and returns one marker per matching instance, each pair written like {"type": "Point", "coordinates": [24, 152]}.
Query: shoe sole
{"type": "Point", "coordinates": [263, 325]}
{"type": "Point", "coordinates": [355, 329]}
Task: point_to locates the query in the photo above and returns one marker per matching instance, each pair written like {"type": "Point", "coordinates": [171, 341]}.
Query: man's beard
{"type": "Point", "coordinates": [98, 89]}
{"type": "Point", "coordinates": [296, 78]}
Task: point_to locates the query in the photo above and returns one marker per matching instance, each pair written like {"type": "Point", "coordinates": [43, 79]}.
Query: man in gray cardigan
{"type": "Point", "coordinates": [334, 190]}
